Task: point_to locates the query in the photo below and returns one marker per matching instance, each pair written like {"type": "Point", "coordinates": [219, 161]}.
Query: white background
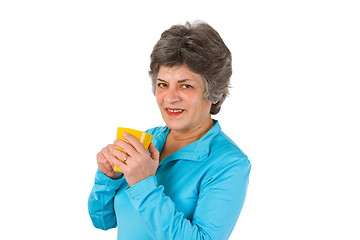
{"type": "Point", "coordinates": [73, 71]}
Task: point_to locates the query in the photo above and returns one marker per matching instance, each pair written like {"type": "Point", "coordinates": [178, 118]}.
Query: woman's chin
{"type": "Point", "coordinates": [175, 124]}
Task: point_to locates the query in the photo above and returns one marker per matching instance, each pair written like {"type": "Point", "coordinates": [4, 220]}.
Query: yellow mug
{"type": "Point", "coordinates": [143, 137]}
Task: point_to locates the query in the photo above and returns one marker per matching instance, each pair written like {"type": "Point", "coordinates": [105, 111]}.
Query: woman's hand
{"type": "Point", "coordinates": [139, 164]}
{"type": "Point", "coordinates": [105, 159]}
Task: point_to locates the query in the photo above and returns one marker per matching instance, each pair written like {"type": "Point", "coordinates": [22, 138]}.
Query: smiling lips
{"type": "Point", "coordinates": [174, 112]}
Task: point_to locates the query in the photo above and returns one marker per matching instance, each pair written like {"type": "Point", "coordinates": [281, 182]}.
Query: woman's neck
{"type": "Point", "coordinates": [191, 135]}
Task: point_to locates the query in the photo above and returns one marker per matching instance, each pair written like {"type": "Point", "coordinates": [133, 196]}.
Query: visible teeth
{"type": "Point", "coordinates": [175, 110]}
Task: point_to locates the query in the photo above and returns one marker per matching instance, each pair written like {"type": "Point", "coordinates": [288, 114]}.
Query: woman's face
{"type": "Point", "coordinates": [180, 96]}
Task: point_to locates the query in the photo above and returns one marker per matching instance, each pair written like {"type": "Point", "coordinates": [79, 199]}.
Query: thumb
{"type": "Point", "coordinates": [155, 155]}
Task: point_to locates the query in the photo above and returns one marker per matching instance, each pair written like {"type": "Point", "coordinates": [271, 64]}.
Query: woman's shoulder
{"type": "Point", "coordinates": [226, 162]}
{"type": "Point", "coordinates": [226, 158]}
{"type": "Point", "coordinates": [225, 148]}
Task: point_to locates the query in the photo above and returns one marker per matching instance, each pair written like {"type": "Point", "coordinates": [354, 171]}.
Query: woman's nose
{"type": "Point", "coordinates": [171, 96]}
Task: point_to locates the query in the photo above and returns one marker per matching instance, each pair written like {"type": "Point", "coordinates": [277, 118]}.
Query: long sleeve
{"type": "Point", "coordinates": [221, 197]}
{"type": "Point", "coordinates": [101, 201]}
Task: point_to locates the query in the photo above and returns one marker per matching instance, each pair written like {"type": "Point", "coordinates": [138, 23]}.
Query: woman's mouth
{"type": "Point", "coordinates": [174, 112]}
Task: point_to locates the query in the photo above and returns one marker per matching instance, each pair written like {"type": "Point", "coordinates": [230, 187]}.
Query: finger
{"type": "Point", "coordinates": [126, 147]}
{"type": "Point", "coordinates": [103, 162]}
{"type": "Point", "coordinates": [117, 153]}
{"type": "Point", "coordinates": [106, 153]}
{"type": "Point", "coordinates": [113, 160]}
{"type": "Point", "coordinates": [119, 163]}
{"type": "Point", "coordinates": [108, 165]}
{"type": "Point", "coordinates": [123, 156]}
{"type": "Point", "coordinates": [100, 156]}
{"type": "Point", "coordinates": [107, 150]}
{"type": "Point", "coordinates": [155, 155]}
{"type": "Point", "coordinates": [113, 151]}
{"type": "Point", "coordinates": [134, 142]}
{"type": "Point", "coordinates": [109, 146]}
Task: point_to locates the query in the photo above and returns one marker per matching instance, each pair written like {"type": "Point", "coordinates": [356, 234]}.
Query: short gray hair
{"type": "Point", "coordinates": [202, 50]}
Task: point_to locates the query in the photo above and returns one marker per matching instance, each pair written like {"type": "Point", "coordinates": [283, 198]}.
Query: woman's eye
{"type": "Point", "coordinates": [161, 85]}
{"type": "Point", "coordinates": [186, 86]}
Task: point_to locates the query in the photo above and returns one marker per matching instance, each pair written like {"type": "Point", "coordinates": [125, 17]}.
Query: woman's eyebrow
{"type": "Point", "coordinates": [179, 81]}
{"type": "Point", "coordinates": [184, 80]}
{"type": "Point", "coordinates": [160, 80]}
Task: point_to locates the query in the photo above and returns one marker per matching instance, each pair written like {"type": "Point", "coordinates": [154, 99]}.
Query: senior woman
{"type": "Point", "coordinates": [193, 181]}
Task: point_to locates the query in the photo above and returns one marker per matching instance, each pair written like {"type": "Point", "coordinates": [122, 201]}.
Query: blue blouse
{"type": "Point", "coordinates": [197, 193]}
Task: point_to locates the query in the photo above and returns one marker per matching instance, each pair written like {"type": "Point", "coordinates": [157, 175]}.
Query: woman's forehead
{"type": "Point", "coordinates": [177, 73]}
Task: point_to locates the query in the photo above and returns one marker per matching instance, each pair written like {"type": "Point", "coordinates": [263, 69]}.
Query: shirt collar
{"type": "Point", "coordinates": [196, 151]}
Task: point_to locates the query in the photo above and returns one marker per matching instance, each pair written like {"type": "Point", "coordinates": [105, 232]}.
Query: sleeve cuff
{"type": "Point", "coordinates": [142, 188]}
{"type": "Point", "coordinates": [102, 179]}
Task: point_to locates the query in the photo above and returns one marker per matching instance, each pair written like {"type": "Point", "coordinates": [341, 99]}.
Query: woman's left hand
{"type": "Point", "coordinates": [139, 164]}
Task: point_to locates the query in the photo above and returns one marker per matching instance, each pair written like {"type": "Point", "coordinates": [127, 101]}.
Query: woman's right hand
{"type": "Point", "coordinates": [104, 162]}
